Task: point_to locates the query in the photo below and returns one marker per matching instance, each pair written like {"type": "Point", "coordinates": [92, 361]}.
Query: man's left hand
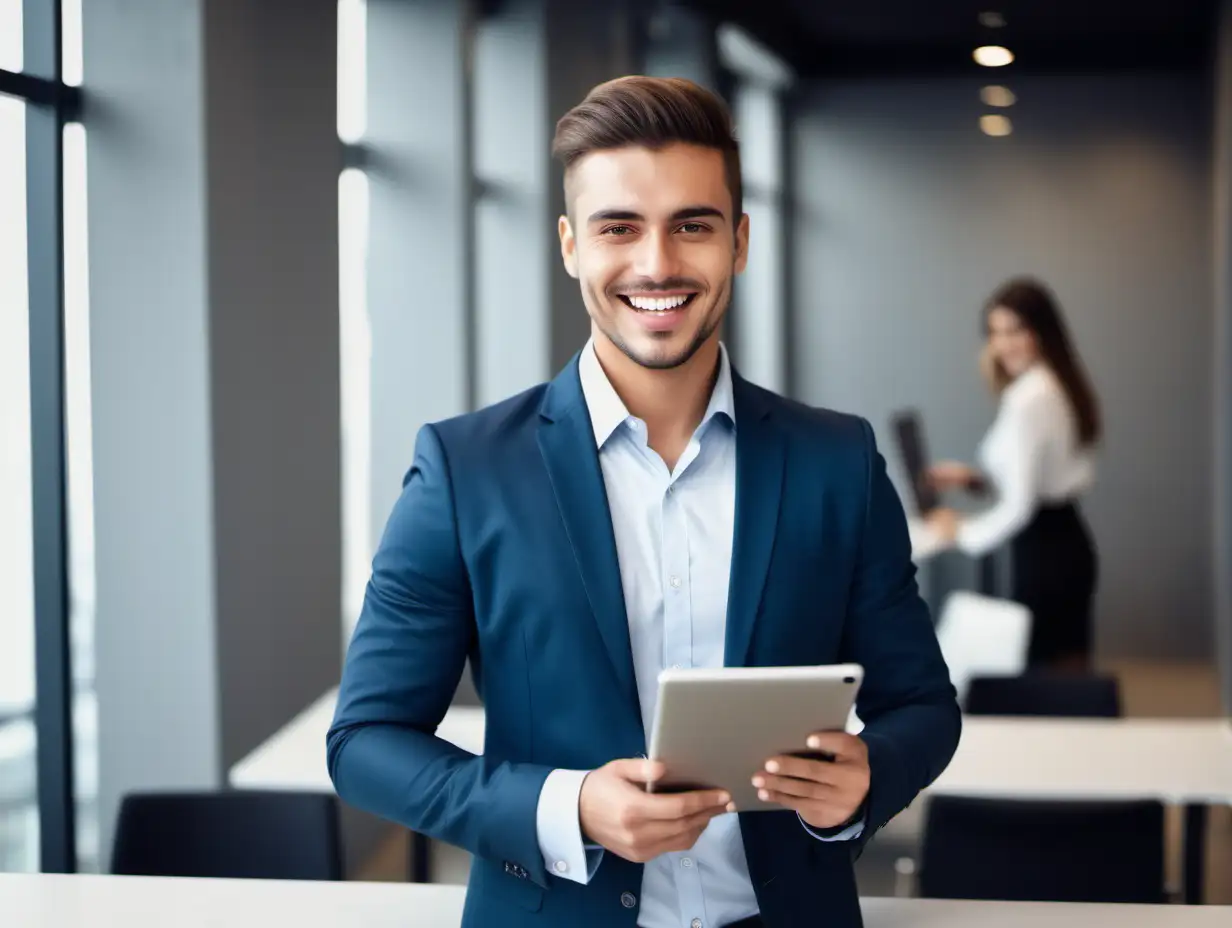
{"type": "Point", "coordinates": [825, 793]}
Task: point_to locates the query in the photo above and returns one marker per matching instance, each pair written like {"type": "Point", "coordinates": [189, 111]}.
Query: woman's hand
{"type": "Point", "coordinates": [953, 475]}
{"type": "Point", "coordinates": [944, 524]}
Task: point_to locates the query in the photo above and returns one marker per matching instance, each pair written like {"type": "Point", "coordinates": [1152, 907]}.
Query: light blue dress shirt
{"type": "Point", "coordinates": [673, 532]}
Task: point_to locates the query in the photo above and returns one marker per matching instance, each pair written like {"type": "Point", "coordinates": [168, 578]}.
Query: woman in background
{"type": "Point", "coordinates": [1039, 458]}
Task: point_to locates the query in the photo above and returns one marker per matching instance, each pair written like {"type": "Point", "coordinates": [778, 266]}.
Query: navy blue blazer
{"type": "Point", "coordinates": [501, 549]}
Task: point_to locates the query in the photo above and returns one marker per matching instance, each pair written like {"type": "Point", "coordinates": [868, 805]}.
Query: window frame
{"type": "Point", "coordinates": [50, 104]}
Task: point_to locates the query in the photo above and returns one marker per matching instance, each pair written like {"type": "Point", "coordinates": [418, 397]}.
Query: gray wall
{"type": "Point", "coordinates": [214, 342]}
{"type": "Point", "coordinates": [418, 296]}
{"type": "Point", "coordinates": [273, 162]}
{"type": "Point", "coordinates": [156, 672]}
{"type": "Point", "coordinates": [907, 217]}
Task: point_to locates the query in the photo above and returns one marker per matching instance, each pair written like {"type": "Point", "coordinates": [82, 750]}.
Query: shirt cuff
{"type": "Point", "coordinates": [560, 831]}
{"type": "Point", "coordinates": [850, 833]}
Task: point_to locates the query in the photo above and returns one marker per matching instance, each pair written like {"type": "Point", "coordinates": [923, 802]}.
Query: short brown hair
{"type": "Point", "coordinates": [651, 112]}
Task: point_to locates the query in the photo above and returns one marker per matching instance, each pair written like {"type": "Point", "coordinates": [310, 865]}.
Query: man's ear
{"type": "Point", "coordinates": [742, 243]}
{"type": "Point", "coordinates": [568, 245]}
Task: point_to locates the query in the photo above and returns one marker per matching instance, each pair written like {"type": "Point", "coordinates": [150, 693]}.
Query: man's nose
{"type": "Point", "coordinates": [656, 257]}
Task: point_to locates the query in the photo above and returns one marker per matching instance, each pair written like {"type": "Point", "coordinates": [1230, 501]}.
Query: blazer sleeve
{"type": "Point", "coordinates": [401, 671]}
{"type": "Point", "coordinates": [907, 703]}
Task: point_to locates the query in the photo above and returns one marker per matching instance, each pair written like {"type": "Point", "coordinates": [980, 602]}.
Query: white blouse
{"type": "Point", "coordinates": [1031, 456]}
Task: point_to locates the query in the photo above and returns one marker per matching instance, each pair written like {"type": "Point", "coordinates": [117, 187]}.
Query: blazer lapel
{"type": "Point", "coordinates": [760, 459]}
{"type": "Point", "coordinates": [567, 442]}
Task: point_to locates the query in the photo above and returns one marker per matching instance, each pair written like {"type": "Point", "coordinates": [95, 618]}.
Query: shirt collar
{"type": "Point", "coordinates": [608, 411]}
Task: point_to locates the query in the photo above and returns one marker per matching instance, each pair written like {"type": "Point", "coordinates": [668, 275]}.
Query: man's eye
{"type": "Point", "coordinates": [617, 230]}
{"type": "Point", "coordinates": [692, 228]}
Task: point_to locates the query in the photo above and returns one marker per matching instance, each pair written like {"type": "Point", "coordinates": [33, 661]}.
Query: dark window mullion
{"type": "Point", "coordinates": [45, 220]}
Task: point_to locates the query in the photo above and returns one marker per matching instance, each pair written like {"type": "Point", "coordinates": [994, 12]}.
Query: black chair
{"type": "Point", "coordinates": [241, 834]}
{"type": "Point", "coordinates": [1043, 851]}
{"type": "Point", "coordinates": [1041, 694]}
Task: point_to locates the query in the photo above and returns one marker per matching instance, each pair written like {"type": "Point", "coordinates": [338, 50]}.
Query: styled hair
{"type": "Point", "coordinates": [1037, 309]}
{"type": "Point", "coordinates": [651, 112]}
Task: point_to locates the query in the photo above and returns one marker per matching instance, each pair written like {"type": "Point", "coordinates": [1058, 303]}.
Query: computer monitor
{"type": "Point", "coordinates": [914, 453]}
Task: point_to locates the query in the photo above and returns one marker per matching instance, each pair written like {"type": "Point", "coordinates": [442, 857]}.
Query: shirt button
{"type": "Point", "coordinates": [675, 666]}
{"type": "Point", "coordinates": [687, 863]}
{"type": "Point", "coordinates": [675, 582]}
{"type": "Point", "coordinates": [562, 866]}
{"type": "Point", "coordinates": [696, 923]}
{"type": "Point", "coordinates": [628, 900]}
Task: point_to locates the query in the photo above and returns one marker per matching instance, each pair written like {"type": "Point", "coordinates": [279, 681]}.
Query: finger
{"type": "Point", "coordinates": [683, 805]}
{"type": "Point", "coordinates": [789, 786]}
{"type": "Point", "coordinates": [658, 831]}
{"type": "Point", "coordinates": [843, 746]}
{"type": "Point", "coordinates": [638, 770]}
{"type": "Point", "coordinates": [821, 815]}
{"type": "Point", "coordinates": [803, 768]}
{"type": "Point", "coordinates": [649, 840]}
{"type": "Point", "coordinates": [814, 810]}
{"type": "Point", "coordinates": [680, 841]}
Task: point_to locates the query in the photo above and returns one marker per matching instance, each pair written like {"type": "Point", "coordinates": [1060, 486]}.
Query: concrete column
{"type": "Point", "coordinates": [680, 42]}
{"type": "Point", "coordinates": [515, 234]}
{"type": "Point", "coordinates": [213, 165]}
{"type": "Point", "coordinates": [1222, 263]}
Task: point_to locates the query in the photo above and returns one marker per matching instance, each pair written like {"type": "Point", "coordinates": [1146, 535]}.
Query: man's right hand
{"type": "Point", "coordinates": [617, 813]}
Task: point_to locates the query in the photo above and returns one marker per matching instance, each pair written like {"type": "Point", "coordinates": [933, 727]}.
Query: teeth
{"type": "Point", "coordinates": [658, 305]}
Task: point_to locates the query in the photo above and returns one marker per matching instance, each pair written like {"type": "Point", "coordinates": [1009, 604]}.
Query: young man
{"type": "Point", "coordinates": [647, 508]}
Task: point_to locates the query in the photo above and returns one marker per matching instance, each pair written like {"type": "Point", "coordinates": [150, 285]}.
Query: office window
{"type": "Point", "coordinates": [11, 35]}
{"type": "Point", "coordinates": [759, 316]}
{"type": "Point", "coordinates": [70, 42]}
{"type": "Point", "coordinates": [79, 488]}
{"type": "Point", "coordinates": [354, 327]}
{"type": "Point", "coordinates": [760, 329]}
{"type": "Point", "coordinates": [355, 338]}
{"type": "Point", "coordinates": [37, 794]}
{"type": "Point", "coordinates": [18, 780]}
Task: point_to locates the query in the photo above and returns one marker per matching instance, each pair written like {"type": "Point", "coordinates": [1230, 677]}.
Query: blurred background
{"type": "Point", "coordinates": [248, 247]}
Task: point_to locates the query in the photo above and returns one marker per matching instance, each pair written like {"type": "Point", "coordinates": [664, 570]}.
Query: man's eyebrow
{"type": "Point", "coordinates": [610, 215]}
{"type": "Point", "coordinates": [698, 212]}
{"type": "Point", "coordinates": [628, 215]}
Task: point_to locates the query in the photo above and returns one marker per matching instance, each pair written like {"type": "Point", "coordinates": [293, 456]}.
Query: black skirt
{"type": "Point", "coordinates": [1055, 570]}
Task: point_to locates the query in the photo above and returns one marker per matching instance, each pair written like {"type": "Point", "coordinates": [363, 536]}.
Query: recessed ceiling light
{"type": "Point", "coordinates": [996, 125]}
{"type": "Point", "coordinates": [996, 95]}
{"type": "Point", "coordinates": [993, 56]}
{"type": "Point", "coordinates": [992, 20]}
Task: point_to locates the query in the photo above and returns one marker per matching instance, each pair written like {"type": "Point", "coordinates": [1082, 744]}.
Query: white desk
{"type": "Point", "coordinates": [1179, 762]}
{"type": "Point", "coordinates": [48, 901]}
{"type": "Point", "coordinates": [1176, 761]}
{"type": "Point", "coordinates": [294, 758]}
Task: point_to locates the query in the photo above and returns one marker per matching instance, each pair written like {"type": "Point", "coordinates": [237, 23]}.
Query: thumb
{"type": "Point", "coordinates": [637, 769]}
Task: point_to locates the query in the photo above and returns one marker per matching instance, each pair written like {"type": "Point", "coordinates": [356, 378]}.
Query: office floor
{"type": "Point", "coordinates": [1154, 690]}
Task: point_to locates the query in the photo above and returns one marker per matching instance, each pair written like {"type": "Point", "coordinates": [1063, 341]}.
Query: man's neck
{"type": "Point", "coordinates": [671, 402]}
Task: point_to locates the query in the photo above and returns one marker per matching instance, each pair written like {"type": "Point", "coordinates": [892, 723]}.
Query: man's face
{"type": "Point", "coordinates": [654, 245]}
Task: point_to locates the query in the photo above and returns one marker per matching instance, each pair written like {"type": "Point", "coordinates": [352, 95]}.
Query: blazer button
{"type": "Point", "coordinates": [628, 900]}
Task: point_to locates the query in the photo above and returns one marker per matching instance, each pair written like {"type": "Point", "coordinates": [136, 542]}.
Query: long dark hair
{"type": "Point", "coordinates": [1035, 306]}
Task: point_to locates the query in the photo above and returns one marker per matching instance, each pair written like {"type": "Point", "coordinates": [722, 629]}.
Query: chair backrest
{"type": "Point", "coordinates": [1056, 695]}
{"type": "Point", "coordinates": [980, 635]}
{"type": "Point", "coordinates": [1043, 851]}
{"type": "Point", "coordinates": [238, 834]}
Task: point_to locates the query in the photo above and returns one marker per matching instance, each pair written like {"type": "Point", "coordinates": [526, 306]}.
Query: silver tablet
{"type": "Point", "coordinates": [717, 728]}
